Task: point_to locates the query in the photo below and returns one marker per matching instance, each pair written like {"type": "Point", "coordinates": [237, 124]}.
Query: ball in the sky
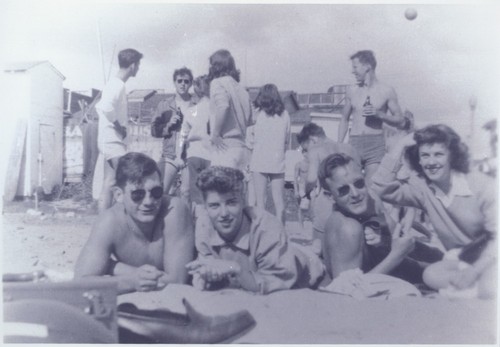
{"type": "Point", "coordinates": [410, 13]}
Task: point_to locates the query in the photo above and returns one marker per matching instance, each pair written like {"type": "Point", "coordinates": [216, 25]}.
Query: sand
{"type": "Point", "coordinates": [298, 316]}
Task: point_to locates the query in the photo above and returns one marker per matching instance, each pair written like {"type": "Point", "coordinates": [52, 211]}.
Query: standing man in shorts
{"type": "Point", "coordinates": [113, 120]}
{"type": "Point", "coordinates": [368, 103]}
{"type": "Point", "coordinates": [170, 161]}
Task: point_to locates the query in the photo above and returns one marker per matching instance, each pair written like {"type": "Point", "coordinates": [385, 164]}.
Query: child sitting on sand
{"type": "Point", "coordinates": [245, 247]}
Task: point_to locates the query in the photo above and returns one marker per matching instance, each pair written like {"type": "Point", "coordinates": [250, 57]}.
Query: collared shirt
{"type": "Point", "coordinates": [459, 187]}
{"type": "Point", "coordinates": [262, 248]}
{"type": "Point", "coordinates": [466, 211]}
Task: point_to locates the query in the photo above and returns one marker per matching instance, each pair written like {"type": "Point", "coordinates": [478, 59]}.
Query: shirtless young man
{"type": "Point", "coordinates": [367, 104]}
{"type": "Point", "coordinates": [318, 146]}
{"type": "Point", "coordinates": [145, 239]}
{"type": "Point", "coordinates": [358, 231]}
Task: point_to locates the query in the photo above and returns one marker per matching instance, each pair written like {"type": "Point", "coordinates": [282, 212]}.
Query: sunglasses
{"type": "Point", "coordinates": [185, 81]}
{"type": "Point", "coordinates": [344, 190]}
{"type": "Point", "coordinates": [139, 194]}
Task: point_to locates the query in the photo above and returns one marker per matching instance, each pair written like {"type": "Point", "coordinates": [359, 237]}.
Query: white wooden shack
{"type": "Point", "coordinates": [35, 109]}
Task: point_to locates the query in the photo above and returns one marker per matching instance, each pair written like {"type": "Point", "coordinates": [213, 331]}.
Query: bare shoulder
{"type": "Point", "coordinates": [338, 224]}
{"type": "Point", "coordinates": [108, 224]}
{"type": "Point", "coordinates": [386, 89]}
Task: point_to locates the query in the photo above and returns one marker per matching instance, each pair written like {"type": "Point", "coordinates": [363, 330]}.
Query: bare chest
{"type": "Point", "coordinates": [137, 250]}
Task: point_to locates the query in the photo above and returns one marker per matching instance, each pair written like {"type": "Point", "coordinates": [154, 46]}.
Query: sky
{"type": "Point", "coordinates": [436, 63]}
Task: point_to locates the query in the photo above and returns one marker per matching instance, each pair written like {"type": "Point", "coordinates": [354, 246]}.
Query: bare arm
{"type": "Point", "coordinates": [178, 242]}
{"type": "Point", "coordinates": [395, 118]}
{"type": "Point", "coordinates": [95, 257]}
{"type": "Point", "coordinates": [95, 260]}
{"type": "Point", "coordinates": [344, 121]}
{"type": "Point", "coordinates": [296, 177]}
{"type": "Point", "coordinates": [312, 173]}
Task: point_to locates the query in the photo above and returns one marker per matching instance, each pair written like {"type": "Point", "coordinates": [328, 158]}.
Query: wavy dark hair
{"type": "Point", "coordinates": [222, 64]}
{"type": "Point", "coordinates": [439, 133]}
{"type": "Point", "coordinates": [128, 57]}
{"type": "Point", "coordinates": [133, 167]}
{"type": "Point", "coordinates": [329, 164]}
{"type": "Point", "coordinates": [221, 179]}
{"type": "Point", "coordinates": [182, 71]}
{"type": "Point", "coordinates": [269, 100]}
{"type": "Point", "coordinates": [308, 130]}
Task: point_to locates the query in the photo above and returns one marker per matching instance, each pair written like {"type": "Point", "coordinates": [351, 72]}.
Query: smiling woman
{"type": "Point", "coordinates": [461, 206]}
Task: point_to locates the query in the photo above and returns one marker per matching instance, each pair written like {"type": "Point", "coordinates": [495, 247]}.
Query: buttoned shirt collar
{"type": "Point", "coordinates": [242, 240]}
{"type": "Point", "coordinates": [459, 187]}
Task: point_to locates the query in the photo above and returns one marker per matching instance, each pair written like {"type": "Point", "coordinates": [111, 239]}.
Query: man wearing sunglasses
{"type": "Point", "coordinates": [358, 232]}
{"type": "Point", "coordinates": [317, 146]}
{"type": "Point", "coordinates": [146, 239]}
{"type": "Point", "coordinates": [170, 161]}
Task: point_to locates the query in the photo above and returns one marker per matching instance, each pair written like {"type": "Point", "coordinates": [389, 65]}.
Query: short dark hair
{"type": "Point", "coordinates": [202, 86]}
{"type": "Point", "coordinates": [133, 167]}
{"type": "Point", "coordinates": [439, 133]}
{"type": "Point", "coordinates": [308, 130]}
{"type": "Point", "coordinates": [183, 71]}
{"type": "Point", "coordinates": [269, 100]}
{"type": "Point", "coordinates": [222, 64]}
{"type": "Point", "coordinates": [220, 179]}
{"type": "Point", "coordinates": [365, 57]}
{"type": "Point", "coordinates": [128, 57]}
{"type": "Point", "coordinates": [330, 163]}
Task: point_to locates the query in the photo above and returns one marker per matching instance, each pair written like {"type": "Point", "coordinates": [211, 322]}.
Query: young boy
{"type": "Point", "coordinates": [244, 247]}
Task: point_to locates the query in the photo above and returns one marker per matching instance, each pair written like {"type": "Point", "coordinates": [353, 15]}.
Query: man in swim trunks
{"type": "Point", "coordinates": [366, 105]}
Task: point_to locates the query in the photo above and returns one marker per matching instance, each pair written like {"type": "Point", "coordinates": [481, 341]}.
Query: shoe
{"type": "Point", "coordinates": [163, 326]}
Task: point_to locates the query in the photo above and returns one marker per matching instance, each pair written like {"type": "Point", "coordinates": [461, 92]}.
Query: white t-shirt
{"type": "Point", "coordinates": [112, 107]}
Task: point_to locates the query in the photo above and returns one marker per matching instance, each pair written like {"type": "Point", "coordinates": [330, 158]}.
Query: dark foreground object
{"type": "Point", "coordinates": [163, 326]}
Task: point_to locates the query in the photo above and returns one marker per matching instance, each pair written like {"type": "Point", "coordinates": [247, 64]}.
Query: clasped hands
{"type": "Point", "coordinates": [207, 271]}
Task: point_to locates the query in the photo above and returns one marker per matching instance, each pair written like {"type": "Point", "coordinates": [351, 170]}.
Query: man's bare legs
{"type": "Point", "coordinates": [106, 197]}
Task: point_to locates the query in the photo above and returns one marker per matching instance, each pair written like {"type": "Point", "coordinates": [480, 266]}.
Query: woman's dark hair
{"type": "Point", "coordinates": [439, 133]}
{"type": "Point", "coordinates": [133, 167]}
{"type": "Point", "coordinates": [269, 100]}
{"type": "Point", "coordinates": [222, 64]}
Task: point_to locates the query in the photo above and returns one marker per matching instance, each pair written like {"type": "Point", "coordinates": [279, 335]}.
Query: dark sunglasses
{"type": "Point", "coordinates": [139, 194]}
{"type": "Point", "coordinates": [358, 184]}
{"type": "Point", "coordinates": [185, 81]}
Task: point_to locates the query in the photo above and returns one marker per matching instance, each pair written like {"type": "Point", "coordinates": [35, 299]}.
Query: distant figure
{"type": "Point", "coordinates": [318, 146]}
{"type": "Point", "coordinates": [231, 107]}
{"type": "Point", "coordinates": [271, 136]}
{"type": "Point", "coordinates": [195, 136]}
{"type": "Point", "coordinates": [358, 232]}
{"type": "Point", "coordinates": [113, 121]}
{"type": "Point", "coordinates": [144, 240]}
{"type": "Point", "coordinates": [173, 109]}
{"type": "Point", "coordinates": [245, 247]}
{"type": "Point", "coordinates": [461, 206]}
{"type": "Point", "coordinates": [368, 104]}
{"type": "Point", "coordinates": [299, 187]}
